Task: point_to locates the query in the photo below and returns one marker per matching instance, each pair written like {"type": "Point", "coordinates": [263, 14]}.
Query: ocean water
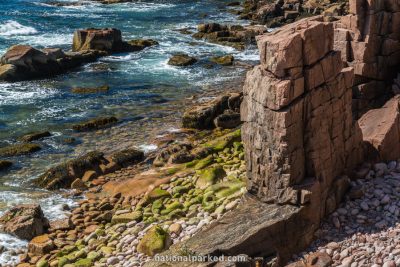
{"type": "Point", "coordinates": [145, 93]}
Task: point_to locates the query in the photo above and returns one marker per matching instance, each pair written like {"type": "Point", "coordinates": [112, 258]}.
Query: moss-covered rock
{"type": "Point", "coordinates": [225, 141]}
{"type": "Point", "coordinates": [158, 193]}
{"type": "Point", "coordinates": [84, 263]}
{"type": "Point", "coordinates": [95, 124]}
{"type": "Point", "coordinates": [42, 263]}
{"type": "Point", "coordinates": [62, 261]}
{"type": "Point", "coordinates": [156, 240]}
{"type": "Point", "coordinates": [223, 60]}
{"type": "Point", "coordinates": [201, 164]}
{"type": "Point", "coordinates": [18, 150]}
{"type": "Point", "coordinates": [127, 217]}
{"type": "Point", "coordinates": [210, 176]}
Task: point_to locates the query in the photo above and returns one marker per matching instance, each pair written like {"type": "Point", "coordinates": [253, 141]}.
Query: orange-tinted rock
{"type": "Point", "coordinates": [97, 39]}
{"type": "Point", "coordinates": [24, 221]}
{"type": "Point", "coordinates": [381, 131]}
{"type": "Point", "coordinates": [40, 245]}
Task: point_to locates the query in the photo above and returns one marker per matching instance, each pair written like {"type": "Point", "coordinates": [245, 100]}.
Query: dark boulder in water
{"type": "Point", "coordinates": [5, 164]}
{"type": "Point", "coordinates": [182, 60]}
{"type": "Point", "coordinates": [204, 115]}
{"type": "Point", "coordinates": [95, 124]}
{"type": "Point", "coordinates": [34, 136]}
{"type": "Point", "coordinates": [63, 175]}
{"type": "Point", "coordinates": [24, 221]}
{"type": "Point", "coordinates": [127, 157]}
{"type": "Point", "coordinates": [18, 150]}
{"type": "Point", "coordinates": [228, 120]}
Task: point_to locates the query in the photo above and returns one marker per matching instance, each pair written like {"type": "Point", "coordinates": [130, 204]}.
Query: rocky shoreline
{"type": "Point", "coordinates": [305, 153]}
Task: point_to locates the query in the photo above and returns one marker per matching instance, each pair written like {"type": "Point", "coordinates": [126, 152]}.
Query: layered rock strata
{"type": "Point", "coordinates": [369, 39]}
{"type": "Point", "coordinates": [297, 115]}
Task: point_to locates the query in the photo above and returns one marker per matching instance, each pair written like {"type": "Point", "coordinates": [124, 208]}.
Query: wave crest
{"type": "Point", "coordinates": [11, 28]}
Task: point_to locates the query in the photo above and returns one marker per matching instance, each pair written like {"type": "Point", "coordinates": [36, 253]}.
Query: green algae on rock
{"type": "Point", "coordinates": [18, 150]}
{"type": "Point", "coordinates": [210, 176]}
{"type": "Point", "coordinates": [156, 240]}
{"type": "Point", "coordinates": [95, 124]}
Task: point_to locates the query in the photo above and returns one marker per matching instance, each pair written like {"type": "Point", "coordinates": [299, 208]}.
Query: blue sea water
{"type": "Point", "coordinates": [145, 93]}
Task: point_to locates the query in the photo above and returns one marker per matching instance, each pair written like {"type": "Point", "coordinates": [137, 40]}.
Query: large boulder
{"type": "Point", "coordinates": [204, 115]}
{"type": "Point", "coordinates": [127, 157]}
{"type": "Point", "coordinates": [108, 40]}
{"type": "Point", "coordinates": [381, 131]}
{"type": "Point", "coordinates": [24, 221]}
{"type": "Point", "coordinates": [27, 62]}
{"type": "Point", "coordinates": [63, 175]}
{"type": "Point", "coordinates": [97, 39]}
{"type": "Point", "coordinates": [23, 62]}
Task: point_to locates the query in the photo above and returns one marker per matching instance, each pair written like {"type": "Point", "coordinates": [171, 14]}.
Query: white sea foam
{"type": "Point", "coordinates": [17, 93]}
{"type": "Point", "coordinates": [10, 243]}
{"type": "Point", "coordinates": [148, 147]}
{"type": "Point", "coordinates": [12, 28]}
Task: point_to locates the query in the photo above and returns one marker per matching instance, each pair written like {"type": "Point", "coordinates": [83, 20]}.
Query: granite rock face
{"type": "Point", "coordinates": [297, 115]}
{"type": "Point", "coordinates": [369, 38]}
{"type": "Point", "coordinates": [300, 131]}
{"type": "Point", "coordinates": [381, 131]}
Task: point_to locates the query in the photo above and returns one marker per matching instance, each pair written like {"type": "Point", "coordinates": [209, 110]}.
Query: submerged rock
{"type": "Point", "coordinates": [95, 124]}
{"type": "Point", "coordinates": [5, 164]}
{"type": "Point", "coordinates": [24, 221]}
{"type": "Point", "coordinates": [90, 90]}
{"type": "Point", "coordinates": [223, 60]}
{"type": "Point", "coordinates": [182, 60]}
{"type": "Point", "coordinates": [34, 136]}
{"type": "Point", "coordinates": [18, 150]}
{"type": "Point", "coordinates": [142, 43]}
